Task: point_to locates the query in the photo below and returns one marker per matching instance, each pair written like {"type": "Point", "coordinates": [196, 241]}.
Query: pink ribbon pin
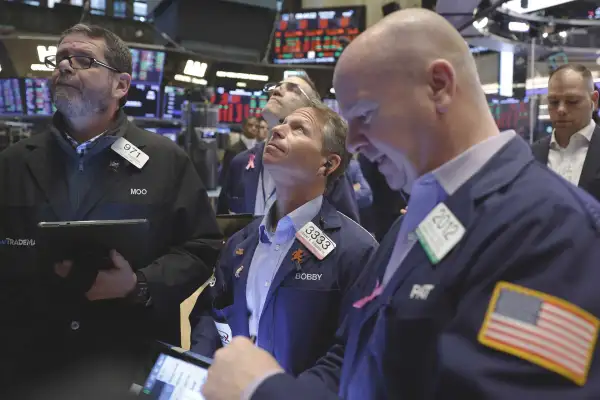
{"type": "Point", "coordinates": [251, 161]}
{"type": "Point", "coordinates": [376, 292]}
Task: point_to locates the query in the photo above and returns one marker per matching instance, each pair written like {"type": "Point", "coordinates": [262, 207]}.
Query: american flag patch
{"type": "Point", "coordinates": [541, 329]}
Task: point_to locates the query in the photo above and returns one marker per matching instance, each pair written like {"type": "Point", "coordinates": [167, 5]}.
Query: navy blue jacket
{"type": "Point", "coordinates": [364, 195]}
{"type": "Point", "coordinates": [238, 194]}
{"type": "Point", "coordinates": [300, 316]}
{"type": "Point", "coordinates": [524, 225]}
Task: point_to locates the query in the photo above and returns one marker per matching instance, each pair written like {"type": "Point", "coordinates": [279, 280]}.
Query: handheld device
{"type": "Point", "coordinates": [174, 375]}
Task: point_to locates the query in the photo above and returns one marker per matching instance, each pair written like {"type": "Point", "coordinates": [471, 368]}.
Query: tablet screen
{"type": "Point", "coordinates": [174, 379]}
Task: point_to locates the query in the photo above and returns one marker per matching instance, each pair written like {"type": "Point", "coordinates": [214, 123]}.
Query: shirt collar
{"type": "Point", "coordinates": [248, 142]}
{"type": "Point", "coordinates": [82, 147]}
{"type": "Point", "coordinates": [453, 174]}
{"type": "Point", "coordinates": [586, 133]}
{"type": "Point", "coordinates": [290, 224]}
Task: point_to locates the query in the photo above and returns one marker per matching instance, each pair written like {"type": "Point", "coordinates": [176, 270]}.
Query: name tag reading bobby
{"type": "Point", "coordinates": [129, 152]}
{"type": "Point", "coordinates": [315, 240]}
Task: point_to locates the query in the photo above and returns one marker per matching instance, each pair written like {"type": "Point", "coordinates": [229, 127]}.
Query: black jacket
{"type": "Point", "coordinates": [590, 175]}
{"type": "Point", "coordinates": [40, 316]}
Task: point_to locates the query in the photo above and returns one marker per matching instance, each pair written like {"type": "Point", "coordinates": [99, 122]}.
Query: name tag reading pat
{"type": "Point", "coordinates": [129, 152]}
{"type": "Point", "coordinates": [315, 240]}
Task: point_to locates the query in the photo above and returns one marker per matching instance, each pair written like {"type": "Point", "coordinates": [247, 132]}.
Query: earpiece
{"type": "Point", "coordinates": [327, 165]}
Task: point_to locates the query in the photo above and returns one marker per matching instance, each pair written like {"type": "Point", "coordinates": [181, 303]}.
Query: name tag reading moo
{"type": "Point", "coordinates": [129, 152]}
{"type": "Point", "coordinates": [439, 232]}
{"type": "Point", "coordinates": [315, 240]}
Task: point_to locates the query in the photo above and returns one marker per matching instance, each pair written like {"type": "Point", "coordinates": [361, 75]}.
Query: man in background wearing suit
{"type": "Point", "coordinates": [573, 149]}
{"type": "Point", "coordinates": [250, 130]}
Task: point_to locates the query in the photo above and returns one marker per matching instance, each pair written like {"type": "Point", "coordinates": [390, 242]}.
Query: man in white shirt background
{"type": "Point", "coordinates": [573, 149]}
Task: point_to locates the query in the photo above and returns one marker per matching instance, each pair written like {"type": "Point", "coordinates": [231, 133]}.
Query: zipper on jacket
{"type": "Point", "coordinates": [80, 165]}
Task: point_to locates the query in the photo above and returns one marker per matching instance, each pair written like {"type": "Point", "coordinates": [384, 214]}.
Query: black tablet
{"type": "Point", "coordinates": [174, 374]}
{"type": "Point", "coordinates": [66, 240]}
{"type": "Point", "coordinates": [231, 223]}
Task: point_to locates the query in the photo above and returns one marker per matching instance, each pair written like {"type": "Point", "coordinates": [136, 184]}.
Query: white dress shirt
{"type": "Point", "coordinates": [568, 161]}
{"type": "Point", "coordinates": [249, 143]}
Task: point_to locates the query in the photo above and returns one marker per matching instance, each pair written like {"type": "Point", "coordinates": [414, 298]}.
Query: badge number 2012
{"type": "Point", "coordinates": [439, 232]}
{"type": "Point", "coordinates": [315, 240]}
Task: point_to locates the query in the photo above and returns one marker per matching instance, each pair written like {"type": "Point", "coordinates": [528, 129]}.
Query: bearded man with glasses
{"type": "Point", "coordinates": [75, 325]}
{"type": "Point", "coordinates": [247, 187]}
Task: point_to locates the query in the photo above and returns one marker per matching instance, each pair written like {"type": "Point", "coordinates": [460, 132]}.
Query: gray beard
{"type": "Point", "coordinates": [76, 106]}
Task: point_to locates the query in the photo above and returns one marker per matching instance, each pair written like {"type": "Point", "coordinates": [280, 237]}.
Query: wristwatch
{"type": "Point", "coordinates": [140, 294]}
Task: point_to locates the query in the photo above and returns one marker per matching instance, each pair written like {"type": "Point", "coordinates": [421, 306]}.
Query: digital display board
{"type": "Point", "coordinates": [511, 114]}
{"type": "Point", "coordinates": [142, 101]}
{"type": "Point", "coordinates": [11, 102]}
{"type": "Point", "coordinates": [236, 105]}
{"type": "Point", "coordinates": [148, 66]}
{"type": "Point", "coordinates": [173, 98]}
{"type": "Point", "coordinates": [37, 97]}
{"type": "Point", "coordinates": [313, 36]}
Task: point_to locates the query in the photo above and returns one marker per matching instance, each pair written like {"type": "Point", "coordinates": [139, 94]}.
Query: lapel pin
{"type": "Point", "coordinates": [239, 271]}
{"type": "Point", "coordinates": [297, 255]}
{"type": "Point", "coordinates": [297, 258]}
{"type": "Point", "coordinates": [239, 252]}
{"type": "Point", "coordinates": [251, 158]}
{"type": "Point", "coordinates": [114, 165]}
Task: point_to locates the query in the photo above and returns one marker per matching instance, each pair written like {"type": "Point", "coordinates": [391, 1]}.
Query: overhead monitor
{"type": "Point", "coordinates": [173, 98]}
{"type": "Point", "coordinates": [37, 97]}
{"type": "Point", "coordinates": [316, 36]}
{"type": "Point", "coordinates": [237, 105]}
{"type": "Point", "coordinates": [143, 101]}
{"type": "Point", "coordinates": [512, 114]}
{"type": "Point", "coordinates": [148, 66]}
{"type": "Point", "coordinates": [11, 102]}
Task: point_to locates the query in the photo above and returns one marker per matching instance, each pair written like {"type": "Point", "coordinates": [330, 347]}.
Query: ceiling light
{"type": "Point", "coordinates": [533, 5]}
{"type": "Point", "coordinates": [482, 23]}
{"type": "Point", "coordinates": [515, 26]}
{"type": "Point", "coordinates": [241, 75]}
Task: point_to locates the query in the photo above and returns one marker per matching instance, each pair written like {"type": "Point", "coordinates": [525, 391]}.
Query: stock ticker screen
{"type": "Point", "coordinates": [148, 66]}
{"type": "Point", "coordinates": [173, 98]}
{"type": "Point", "coordinates": [143, 101]}
{"type": "Point", "coordinates": [236, 105]}
{"type": "Point", "coordinates": [511, 114]}
{"type": "Point", "coordinates": [37, 97]}
{"type": "Point", "coordinates": [11, 102]}
{"type": "Point", "coordinates": [313, 37]}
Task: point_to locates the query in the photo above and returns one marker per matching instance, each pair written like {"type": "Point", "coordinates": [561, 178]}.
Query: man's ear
{"type": "Point", "coordinates": [331, 163]}
{"type": "Point", "coordinates": [123, 85]}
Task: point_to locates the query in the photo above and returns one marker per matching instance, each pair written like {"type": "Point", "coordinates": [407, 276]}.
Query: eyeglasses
{"type": "Point", "coordinates": [77, 62]}
{"type": "Point", "coordinates": [288, 86]}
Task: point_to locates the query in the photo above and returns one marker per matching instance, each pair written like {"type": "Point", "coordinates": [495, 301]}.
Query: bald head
{"type": "Point", "coordinates": [405, 42]}
{"type": "Point", "coordinates": [406, 85]}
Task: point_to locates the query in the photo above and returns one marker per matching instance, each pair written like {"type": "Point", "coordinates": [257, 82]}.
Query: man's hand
{"type": "Point", "coordinates": [403, 211]}
{"type": "Point", "coordinates": [356, 187]}
{"type": "Point", "coordinates": [114, 283]}
{"type": "Point", "coordinates": [235, 367]}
